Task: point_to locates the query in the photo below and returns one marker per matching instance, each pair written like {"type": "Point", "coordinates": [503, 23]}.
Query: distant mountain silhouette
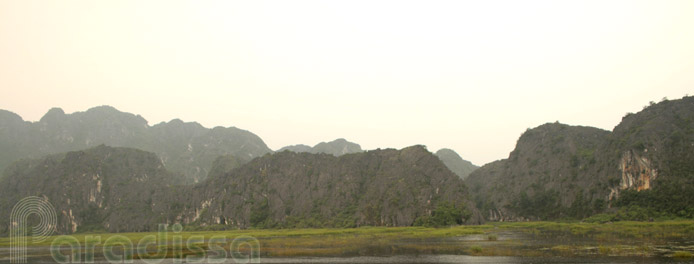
{"type": "Point", "coordinates": [188, 148]}
{"type": "Point", "coordinates": [641, 170]}
{"type": "Point", "coordinates": [455, 163]}
{"type": "Point", "coordinates": [336, 148]}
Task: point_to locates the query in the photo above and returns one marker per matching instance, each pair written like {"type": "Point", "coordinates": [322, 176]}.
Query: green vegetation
{"type": "Point", "coordinates": [600, 218]}
{"type": "Point", "coordinates": [559, 172]}
{"type": "Point", "coordinates": [617, 231]}
{"type": "Point", "coordinates": [260, 213]}
{"type": "Point", "coordinates": [476, 249]}
{"type": "Point", "coordinates": [682, 254]}
{"type": "Point", "coordinates": [668, 199]}
{"type": "Point", "coordinates": [542, 203]}
{"type": "Point", "coordinates": [546, 239]}
{"type": "Point", "coordinates": [446, 214]}
{"type": "Point", "coordinates": [123, 190]}
{"type": "Point", "coordinates": [556, 172]}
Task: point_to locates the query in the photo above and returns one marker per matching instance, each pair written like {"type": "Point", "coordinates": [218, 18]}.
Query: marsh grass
{"type": "Point", "coordinates": [476, 249]}
{"type": "Point", "coordinates": [611, 232]}
{"type": "Point", "coordinates": [542, 239]}
{"type": "Point", "coordinates": [682, 254]}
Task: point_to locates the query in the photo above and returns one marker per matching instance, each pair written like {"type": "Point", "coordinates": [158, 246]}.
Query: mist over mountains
{"type": "Point", "coordinates": [455, 163]}
{"type": "Point", "coordinates": [187, 148]}
{"type": "Point", "coordinates": [340, 146]}
{"type": "Point", "coordinates": [107, 170]}
{"type": "Point", "coordinates": [336, 147]}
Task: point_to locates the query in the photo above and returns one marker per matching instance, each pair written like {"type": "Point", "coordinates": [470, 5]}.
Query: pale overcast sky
{"type": "Point", "coordinates": [467, 75]}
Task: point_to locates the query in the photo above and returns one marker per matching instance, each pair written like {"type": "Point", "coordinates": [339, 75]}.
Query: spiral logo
{"type": "Point", "coordinates": [19, 230]}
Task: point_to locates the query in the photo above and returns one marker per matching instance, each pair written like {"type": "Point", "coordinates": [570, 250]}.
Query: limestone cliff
{"type": "Point", "coordinates": [637, 173]}
{"type": "Point", "coordinates": [552, 166]}
{"type": "Point", "coordinates": [560, 171]}
{"type": "Point", "coordinates": [123, 189]}
{"type": "Point", "coordinates": [102, 188]}
{"type": "Point", "coordinates": [377, 188]}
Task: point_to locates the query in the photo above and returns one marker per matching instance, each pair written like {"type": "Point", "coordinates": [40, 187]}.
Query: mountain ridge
{"type": "Point", "coordinates": [455, 163]}
{"type": "Point", "coordinates": [185, 147]}
{"type": "Point", "coordinates": [558, 171]}
{"type": "Point", "coordinates": [337, 147]}
{"type": "Point", "coordinates": [125, 190]}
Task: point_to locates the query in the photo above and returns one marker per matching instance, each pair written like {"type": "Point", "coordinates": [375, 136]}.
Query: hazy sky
{"type": "Point", "coordinates": [467, 75]}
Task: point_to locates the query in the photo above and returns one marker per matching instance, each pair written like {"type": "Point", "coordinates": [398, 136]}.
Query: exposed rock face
{"type": "Point", "coordinates": [558, 171]}
{"type": "Point", "coordinates": [637, 173]}
{"type": "Point", "coordinates": [336, 148]}
{"type": "Point", "coordinates": [547, 158]}
{"type": "Point", "coordinates": [187, 148]}
{"type": "Point", "coordinates": [116, 189]}
{"type": "Point", "coordinates": [339, 147]}
{"type": "Point", "coordinates": [455, 163]}
{"type": "Point", "coordinates": [121, 189]}
{"type": "Point", "coordinates": [382, 188]}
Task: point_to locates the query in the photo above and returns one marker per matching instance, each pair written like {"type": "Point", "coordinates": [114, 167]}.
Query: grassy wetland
{"type": "Point", "coordinates": [672, 240]}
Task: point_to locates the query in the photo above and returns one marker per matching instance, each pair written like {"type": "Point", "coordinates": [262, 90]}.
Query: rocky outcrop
{"type": "Point", "coordinates": [637, 173]}
{"type": "Point", "coordinates": [379, 188]}
{"type": "Point", "coordinates": [102, 188]}
{"type": "Point", "coordinates": [122, 189]}
{"type": "Point", "coordinates": [547, 158]}
{"type": "Point", "coordinates": [560, 171]}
